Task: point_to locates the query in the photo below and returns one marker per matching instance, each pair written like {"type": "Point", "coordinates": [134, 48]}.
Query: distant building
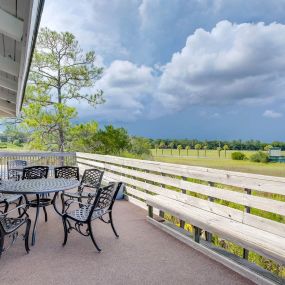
{"type": "Point", "coordinates": [274, 151]}
{"type": "Point", "coordinates": [275, 155]}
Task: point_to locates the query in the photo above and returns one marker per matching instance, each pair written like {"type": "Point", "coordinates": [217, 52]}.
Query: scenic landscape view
{"type": "Point", "coordinates": [179, 109]}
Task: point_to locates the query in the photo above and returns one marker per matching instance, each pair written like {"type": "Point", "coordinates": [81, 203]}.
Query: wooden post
{"type": "Point", "coordinates": [247, 210]}
{"type": "Point", "coordinates": [197, 233]}
{"type": "Point", "coordinates": [182, 223]}
{"type": "Point", "coordinates": [150, 211]}
{"type": "Point", "coordinates": [211, 199]}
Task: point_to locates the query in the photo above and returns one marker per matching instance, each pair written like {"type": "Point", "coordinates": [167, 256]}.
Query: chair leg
{"type": "Point", "coordinates": [80, 201]}
{"type": "Point", "coordinates": [65, 231]}
{"type": "Point", "coordinates": [112, 225]}
{"type": "Point", "coordinates": [45, 211]}
{"type": "Point", "coordinates": [1, 243]}
{"type": "Point", "coordinates": [18, 204]}
{"type": "Point", "coordinates": [62, 202]}
{"type": "Point", "coordinates": [27, 234]}
{"type": "Point", "coordinates": [35, 222]}
{"type": "Point", "coordinates": [92, 237]}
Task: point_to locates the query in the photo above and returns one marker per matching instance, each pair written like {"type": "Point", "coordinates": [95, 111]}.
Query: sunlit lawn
{"type": "Point", "coordinates": [212, 160]}
{"type": "Point", "coordinates": [12, 147]}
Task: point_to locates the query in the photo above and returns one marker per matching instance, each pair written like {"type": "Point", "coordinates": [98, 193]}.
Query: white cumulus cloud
{"type": "Point", "coordinates": [128, 91]}
{"type": "Point", "coordinates": [232, 63]}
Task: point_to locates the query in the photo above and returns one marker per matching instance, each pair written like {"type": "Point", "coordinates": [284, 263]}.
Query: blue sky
{"type": "Point", "coordinates": [208, 69]}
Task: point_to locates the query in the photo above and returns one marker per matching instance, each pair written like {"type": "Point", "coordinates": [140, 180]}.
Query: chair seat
{"type": "Point", "coordinates": [10, 198]}
{"type": "Point", "coordinates": [11, 224]}
{"type": "Point", "coordinates": [84, 194]}
{"type": "Point", "coordinates": [82, 213]}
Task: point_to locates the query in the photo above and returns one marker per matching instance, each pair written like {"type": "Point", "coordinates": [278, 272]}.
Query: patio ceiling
{"type": "Point", "coordinates": [19, 22]}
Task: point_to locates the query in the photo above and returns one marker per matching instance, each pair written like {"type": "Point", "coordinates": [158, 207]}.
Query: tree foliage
{"type": "Point", "coordinates": [198, 147]}
{"type": "Point", "coordinates": [213, 144]}
{"type": "Point", "coordinates": [111, 140]}
{"type": "Point", "coordinates": [171, 145]}
{"type": "Point", "coordinates": [179, 147]}
{"type": "Point", "coordinates": [187, 149]}
{"type": "Point", "coordinates": [219, 151]}
{"type": "Point", "coordinates": [268, 147]}
{"type": "Point", "coordinates": [81, 137]}
{"type": "Point", "coordinates": [140, 146]}
{"type": "Point", "coordinates": [237, 155]}
{"type": "Point", "coordinates": [259, 157]}
{"type": "Point", "coordinates": [225, 148]}
{"type": "Point", "coordinates": [61, 74]}
{"type": "Point", "coordinates": [14, 133]}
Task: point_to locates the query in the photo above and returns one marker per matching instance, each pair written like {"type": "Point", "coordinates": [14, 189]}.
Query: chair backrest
{"type": "Point", "coordinates": [16, 163]}
{"type": "Point", "coordinates": [105, 197]}
{"type": "Point", "coordinates": [67, 172]}
{"type": "Point", "coordinates": [35, 172]}
{"type": "Point", "coordinates": [91, 178]}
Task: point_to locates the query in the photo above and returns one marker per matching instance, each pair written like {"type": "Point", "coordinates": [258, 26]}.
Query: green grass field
{"type": "Point", "coordinates": [12, 147]}
{"type": "Point", "coordinates": [212, 160]}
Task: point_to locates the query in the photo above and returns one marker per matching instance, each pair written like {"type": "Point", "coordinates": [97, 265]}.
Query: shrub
{"type": "Point", "coordinates": [259, 157]}
{"type": "Point", "coordinates": [17, 143]}
{"type": "Point", "coordinates": [237, 155]}
{"type": "Point", "coordinates": [140, 146]}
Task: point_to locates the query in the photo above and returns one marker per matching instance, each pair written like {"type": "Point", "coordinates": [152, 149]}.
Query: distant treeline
{"type": "Point", "coordinates": [214, 144]}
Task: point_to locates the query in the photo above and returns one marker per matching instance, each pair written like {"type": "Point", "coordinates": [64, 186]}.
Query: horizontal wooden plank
{"type": "Point", "coordinates": [265, 243]}
{"type": "Point", "coordinates": [224, 211]}
{"type": "Point", "coordinates": [41, 154]}
{"type": "Point", "coordinates": [262, 183]}
{"type": "Point", "coordinates": [137, 193]}
{"type": "Point", "coordinates": [259, 222]}
{"type": "Point", "coordinates": [264, 224]}
{"type": "Point", "coordinates": [261, 203]}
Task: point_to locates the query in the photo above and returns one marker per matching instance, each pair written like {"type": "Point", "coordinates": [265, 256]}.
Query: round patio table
{"type": "Point", "coordinates": [38, 187]}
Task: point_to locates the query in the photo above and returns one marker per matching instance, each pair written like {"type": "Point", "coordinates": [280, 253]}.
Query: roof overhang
{"type": "Point", "coordinates": [19, 24]}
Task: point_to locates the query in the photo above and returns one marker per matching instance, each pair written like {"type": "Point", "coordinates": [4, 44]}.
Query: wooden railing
{"type": "Point", "coordinates": [145, 178]}
{"type": "Point", "coordinates": [251, 199]}
{"type": "Point", "coordinates": [37, 158]}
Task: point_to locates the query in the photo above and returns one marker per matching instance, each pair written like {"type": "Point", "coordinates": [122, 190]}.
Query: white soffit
{"type": "Point", "coordinates": [19, 23]}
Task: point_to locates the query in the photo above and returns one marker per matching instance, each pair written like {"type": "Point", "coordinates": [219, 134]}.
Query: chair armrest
{"type": "Point", "coordinates": [22, 206]}
{"type": "Point", "coordinates": [69, 202]}
{"type": "Point", "coordinates": [81, 187]}
{"type": "Point", "coordinates": [75, 202]}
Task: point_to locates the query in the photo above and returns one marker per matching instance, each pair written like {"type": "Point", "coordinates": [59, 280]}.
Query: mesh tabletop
{"type": "Point", "coordinates": [37, 186]}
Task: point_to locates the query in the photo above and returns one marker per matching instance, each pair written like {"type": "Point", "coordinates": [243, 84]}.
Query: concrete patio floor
{"type": "Point", "coordinates": [142, 255]}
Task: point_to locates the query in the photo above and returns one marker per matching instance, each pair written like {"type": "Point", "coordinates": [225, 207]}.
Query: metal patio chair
{"type": "Point", "coordinates": [84, 214]}
{"type": "Point", "coordinates": [37, 172]}
{"type": "Point", "coordinates": [7, 199]}
{"type": "Point", "coordinates": [67, 172]}
{"type": "Point", "coordinates": [9, 225]}
{"type": "Point", "coordinates": [15, 168]}
{"type": "Point", "coordinates": [89, 184]}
